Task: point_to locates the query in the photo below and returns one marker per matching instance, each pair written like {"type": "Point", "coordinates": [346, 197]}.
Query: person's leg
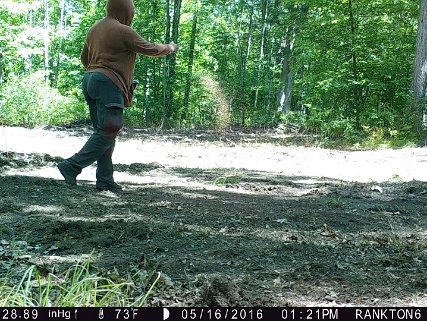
{"type": "Point", "coordinates": [104, 99]}
{"type": "Point", "coordinates": [82, 159]}
{"type": "Point", "coordinates": [105, 170]}
{"type": "Point", "coordinates": [95, 147]}
{"type": "Point", "coordinates": [69, 168]}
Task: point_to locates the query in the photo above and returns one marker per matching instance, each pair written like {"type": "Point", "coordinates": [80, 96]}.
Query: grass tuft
{"type": "Point", "coordinates": [78, 286]}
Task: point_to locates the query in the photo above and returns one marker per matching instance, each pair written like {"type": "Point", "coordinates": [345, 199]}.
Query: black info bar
{"type": "Point", "coordinates": [189, 314]}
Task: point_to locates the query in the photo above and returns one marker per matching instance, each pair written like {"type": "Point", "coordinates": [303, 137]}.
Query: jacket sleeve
{"type": "Point", "coordinates": [84, 56]}
{"type": "Point", "coordinates": [139, 45]}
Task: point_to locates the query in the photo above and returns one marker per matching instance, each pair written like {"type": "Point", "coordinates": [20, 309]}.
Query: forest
{"type": "Point", "coordinates": [337, 69]}
{"type": "Point", "coordinates": [276, 160]}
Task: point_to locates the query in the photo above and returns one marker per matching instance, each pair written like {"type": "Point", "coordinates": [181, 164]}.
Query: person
{"type": "Point", "coordinates": [109, 56]}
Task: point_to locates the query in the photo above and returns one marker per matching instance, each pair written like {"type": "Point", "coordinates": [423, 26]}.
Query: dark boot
{"type": "Point", "coordinates": [113, 187]}
{"type": "Point", "coordinates": [67, 173]}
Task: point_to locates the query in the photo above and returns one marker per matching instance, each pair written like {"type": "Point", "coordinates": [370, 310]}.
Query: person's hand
{"type": "Point", "coordinates": [174, 46]}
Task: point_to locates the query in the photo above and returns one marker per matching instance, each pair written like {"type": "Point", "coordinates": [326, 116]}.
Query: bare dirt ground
{"type": "Point", "coordinates": [230, 219]}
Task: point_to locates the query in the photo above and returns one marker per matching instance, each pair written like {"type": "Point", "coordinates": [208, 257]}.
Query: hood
{"type": "Point", "coordinates": [121, 10]}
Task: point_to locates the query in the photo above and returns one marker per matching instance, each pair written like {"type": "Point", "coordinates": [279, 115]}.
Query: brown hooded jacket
{"type": "Point", "coordinates": [111, 46]}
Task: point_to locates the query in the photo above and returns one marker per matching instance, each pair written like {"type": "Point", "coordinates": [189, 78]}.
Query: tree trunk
{"type": "Point", "coordinates": [264, 13]}
{"type": "Point", "coordinates": [244, 57]}
{"type": "Point", "coordinates": [30, 56]}
{"type": "Point", "coordinates": [190, 63]}
{"type": "Point", "coordinates": [176, 18]}
{"type": "Point", "coordinates": [1, 68]}
{"type": "Point", "coordinates": [171, 60]}
{"type": "Point", "coordinates": [268, 82]}
{"type": "Point", "coordinates": [284, 98]}
{"type": "Point", "coordinates": [61, 34]}
{"type": "Point", "coordinates": [166, 84]}
{"type": "Point", "coordinates": [147, 92]}
{"type": "Point", "coordinates": [419, 80]}
{"type": "Point", "coordinates": [46, 40]}
{"type": "Point", "coordinates": [357, 90]}
{"type": "Point", "coordinates": [172, 64]}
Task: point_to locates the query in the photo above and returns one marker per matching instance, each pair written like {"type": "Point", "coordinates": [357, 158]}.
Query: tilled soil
{"type": "Point", "coordinates": [230, 219]}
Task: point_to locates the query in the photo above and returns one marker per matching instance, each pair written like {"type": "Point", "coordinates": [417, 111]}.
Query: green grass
{"type": "Point", "coordinates": [78, 286]}
{"type": "Point", "coordinates": [235, 179]}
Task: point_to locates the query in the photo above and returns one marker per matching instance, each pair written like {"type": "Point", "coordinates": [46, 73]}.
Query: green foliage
{"type": "Point", "coordinates": [78, 286]}
{"type": "Point", "coordinates": [350, 61]}
{"type": "Point", "coordinates": [234, 179]}
{"type": "Point", "coordinates": [29, 101]}
{"type": "Point", "coordinates": [357, 77]}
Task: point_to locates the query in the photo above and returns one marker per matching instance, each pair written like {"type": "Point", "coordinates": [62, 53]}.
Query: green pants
{"type": "Point", "coordinates": [106, 103]}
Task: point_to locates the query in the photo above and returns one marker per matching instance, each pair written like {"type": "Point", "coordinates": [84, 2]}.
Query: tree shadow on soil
{"type": "Point", "coordinates": [263, 239]}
